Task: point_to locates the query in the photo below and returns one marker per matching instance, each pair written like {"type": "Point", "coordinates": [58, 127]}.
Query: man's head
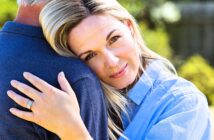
{"type": "Point", "coordinates": [29, 10]}
{"type": "Point", "coordinates": [29, 2]}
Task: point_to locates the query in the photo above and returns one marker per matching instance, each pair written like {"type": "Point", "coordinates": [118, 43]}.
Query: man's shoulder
{"type": "Point", "coordinates": [32, 52]}
{"type": "Point", "coordinates": [74, 67]}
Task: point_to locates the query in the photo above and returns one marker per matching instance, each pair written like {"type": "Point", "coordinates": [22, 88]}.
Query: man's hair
{"type": "Point", "coordinates": [30, 2]}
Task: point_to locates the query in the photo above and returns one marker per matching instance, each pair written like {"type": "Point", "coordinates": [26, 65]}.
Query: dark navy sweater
{"type": "Point", "coordinates": [24, 48]}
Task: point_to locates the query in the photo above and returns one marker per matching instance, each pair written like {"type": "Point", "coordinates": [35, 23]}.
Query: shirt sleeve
{"type": "Point", "coordinates": [188, 117]}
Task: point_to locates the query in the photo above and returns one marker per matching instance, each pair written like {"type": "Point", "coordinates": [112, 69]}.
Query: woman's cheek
{"type": "Point", "coordinates": [97, 69]}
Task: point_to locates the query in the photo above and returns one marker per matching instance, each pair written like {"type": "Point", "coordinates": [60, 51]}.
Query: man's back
{"type": "Point", "coordinates": [23, 48]}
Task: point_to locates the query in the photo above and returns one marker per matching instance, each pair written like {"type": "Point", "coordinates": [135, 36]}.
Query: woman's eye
{"type": "Point", "coordinates": [90, 56]}
{"type": "Point", "coordinates": [113, 39]}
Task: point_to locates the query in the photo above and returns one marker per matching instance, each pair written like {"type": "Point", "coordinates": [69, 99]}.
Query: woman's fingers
{"type": "Point", "coordinates": [20, 100]}
{"type": "Point", "coordinates": [25, 89]}
{"type": "Point", "coordinates": [64, 84]}
{"type": "Point", "coordinates": [39, 83]}
{"type": "Point", "coordinates": [66, 87]}
{"type": "Point", "coordinates": [22, 114]}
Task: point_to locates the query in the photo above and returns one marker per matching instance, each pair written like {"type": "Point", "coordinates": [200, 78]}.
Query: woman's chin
{"type": "Point", "coordinates": [123, 85]}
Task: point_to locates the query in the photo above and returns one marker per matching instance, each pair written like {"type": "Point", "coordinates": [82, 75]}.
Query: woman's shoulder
{"type": "Point", "coordinates": [177, 91]}
{"type": "Point", "coordinates": [171, 83]}
{"type": "Point", "coordinates": [178, 86]}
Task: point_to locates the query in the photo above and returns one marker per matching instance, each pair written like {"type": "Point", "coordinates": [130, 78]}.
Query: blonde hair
{"type": "Point", "coordinates": [59, 17]}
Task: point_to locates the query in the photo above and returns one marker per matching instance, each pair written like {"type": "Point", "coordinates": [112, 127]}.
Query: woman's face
{"type": "Point", "coordinates": [107, 46]}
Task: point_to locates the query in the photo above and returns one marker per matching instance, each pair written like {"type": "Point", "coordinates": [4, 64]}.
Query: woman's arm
{"type": "Point", "coordinates": [56, 110]}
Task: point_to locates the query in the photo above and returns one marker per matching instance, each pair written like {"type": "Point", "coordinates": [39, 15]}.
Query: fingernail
{"type": "Point", "coordinates": [13, 82]}
{"type": "Point", "coordinates": [62, 74]}
{"type": "Point", "coordinates": [26, 74]}
{"type": "Point", "coordinates": [9, 93]}
{"type": "Point", "coordinates": [12, 110]}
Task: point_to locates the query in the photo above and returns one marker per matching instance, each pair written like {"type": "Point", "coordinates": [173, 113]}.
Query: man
{"type": "Point", "coordinates": [24, 48]}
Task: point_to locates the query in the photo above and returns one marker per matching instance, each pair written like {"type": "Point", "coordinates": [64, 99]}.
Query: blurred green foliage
{"type": "Point", "coordinates": [157, 40]}
{"type": "Point", "coordinates": [197, 70]}
{"type": "Point", "coordinates": [8, 10]}
{"type": "Point", "coordinates": [185, 0]}
{"type": "Point", "coordinates": [153, 12]}
{"type": "Point", "coordinates": [133, 6]}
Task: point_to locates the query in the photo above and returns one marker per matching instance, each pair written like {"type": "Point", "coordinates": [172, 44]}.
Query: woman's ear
{"type": "Point", "coordinates": [129, 24]}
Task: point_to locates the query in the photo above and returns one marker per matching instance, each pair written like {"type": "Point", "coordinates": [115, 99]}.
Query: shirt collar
{"type": "Point", "coordinates": [23, 29]}
{"type": "Point", "coordinates": [146, 82]}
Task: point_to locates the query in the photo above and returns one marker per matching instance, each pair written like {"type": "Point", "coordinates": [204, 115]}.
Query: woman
{"type": "Point", "coordinates": [145, 98]}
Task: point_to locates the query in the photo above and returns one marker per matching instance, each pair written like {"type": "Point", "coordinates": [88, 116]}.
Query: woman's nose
{"type": "Point", "coordinates": [111, 59]}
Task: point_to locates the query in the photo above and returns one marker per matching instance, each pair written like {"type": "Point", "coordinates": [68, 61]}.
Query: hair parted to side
{"type": "Point", "coordinates": [58, 18]}
{"type": "Point", "coordinates": [30, 2]}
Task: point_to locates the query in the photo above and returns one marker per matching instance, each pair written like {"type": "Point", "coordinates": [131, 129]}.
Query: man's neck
{"type": "Point", "coordinates": [29, 15]}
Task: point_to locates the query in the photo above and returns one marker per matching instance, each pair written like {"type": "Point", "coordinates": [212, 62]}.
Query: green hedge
{"type": "Point", "coordinates": [197, 70]}
{"type": "Point", "coordinates": [157, 40]}
{"type": "Point", "coordinates": [8, 10]}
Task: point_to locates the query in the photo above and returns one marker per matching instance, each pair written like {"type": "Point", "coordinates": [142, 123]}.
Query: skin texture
{"type": "Point", "coordinates": [29, 14]}
{"type": "Point", "coordinates": [108, 48]}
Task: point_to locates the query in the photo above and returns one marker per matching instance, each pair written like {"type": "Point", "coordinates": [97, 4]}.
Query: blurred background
{"type": "Point", "coordinates": [180, 30]}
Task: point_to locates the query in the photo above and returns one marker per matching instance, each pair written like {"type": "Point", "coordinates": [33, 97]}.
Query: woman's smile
{"type": "Point", "coordinates": [120, 73]}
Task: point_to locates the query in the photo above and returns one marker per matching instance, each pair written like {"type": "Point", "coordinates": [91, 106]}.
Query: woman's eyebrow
{"type": "Point", "coordinates": [108, 36]}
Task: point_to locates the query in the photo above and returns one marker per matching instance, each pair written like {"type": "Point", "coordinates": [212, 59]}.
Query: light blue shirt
{"type": "Point", "coordinates": [164, 106]}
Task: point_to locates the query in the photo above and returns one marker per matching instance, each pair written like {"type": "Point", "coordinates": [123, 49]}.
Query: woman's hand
{"type": "Point", "coordinates": [56, 110]}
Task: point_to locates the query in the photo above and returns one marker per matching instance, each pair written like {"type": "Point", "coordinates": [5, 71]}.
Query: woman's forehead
{"type": "Point", "coordinates": [93, 28]}
{"type": "Point", "coordinates": [96, 22]}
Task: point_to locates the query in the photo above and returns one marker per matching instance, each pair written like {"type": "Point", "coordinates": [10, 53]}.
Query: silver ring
{"type": "Point", "coordinates": [29, 104]}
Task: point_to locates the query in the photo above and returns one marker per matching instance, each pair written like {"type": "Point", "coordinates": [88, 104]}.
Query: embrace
{"type": "Point", "coordinates": [79, 69]}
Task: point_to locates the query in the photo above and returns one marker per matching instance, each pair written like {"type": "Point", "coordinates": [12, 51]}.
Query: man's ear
{"type": "Point", "coordinates": [129, 24]}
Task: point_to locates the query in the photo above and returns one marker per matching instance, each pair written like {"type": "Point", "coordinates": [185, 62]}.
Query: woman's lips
{"type": "Point", "coordinates": [120, 73]}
